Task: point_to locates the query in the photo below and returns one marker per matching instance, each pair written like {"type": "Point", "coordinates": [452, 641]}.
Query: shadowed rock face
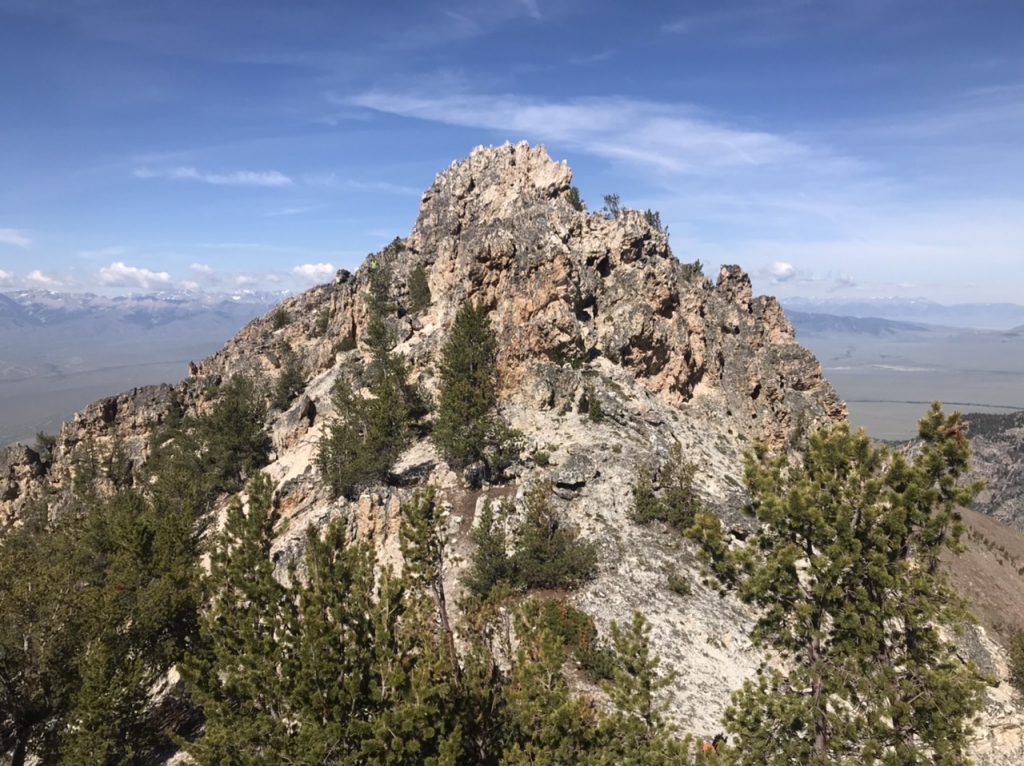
{"type": "Point", "coordinates": [584, 307]}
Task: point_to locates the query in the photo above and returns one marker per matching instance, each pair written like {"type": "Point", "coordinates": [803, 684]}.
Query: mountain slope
{"type": "Point", "coordinates": [585, 308]}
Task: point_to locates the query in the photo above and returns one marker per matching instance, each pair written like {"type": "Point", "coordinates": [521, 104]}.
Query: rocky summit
{"type": "Point", "coordinates": [592, 313]}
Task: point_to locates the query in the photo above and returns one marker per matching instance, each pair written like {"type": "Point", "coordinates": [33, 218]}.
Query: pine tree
{"type": "Point", "coordinates": [467, 428]}
{"type": "Point", "coordinates": [419, 290]}
{"type": "Point", "coordinates": [233, 436]}
{"type": "Point", "coordinates": [239, 674]}
{"type": "Point", "coordinates": [491, 564]}
{"type": "Point", "coordinates": [678, 502]}
{"type": "Point", "coordinates": [845, 573]}
{"type": "Point", "coordinates": [548, 553]}
{"type": "Point", "coordinates": [290, 381]}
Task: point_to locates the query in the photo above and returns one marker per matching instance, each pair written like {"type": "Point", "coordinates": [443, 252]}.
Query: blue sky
{"type": "Point", "coordinates": [833, 149]}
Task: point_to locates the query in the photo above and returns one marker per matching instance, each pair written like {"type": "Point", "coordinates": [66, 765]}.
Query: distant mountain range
{"type": "Point", "coordinates": [830, 324]}
{"type": "Point", "coordinates": [59, 351]}
{"type": "Point", "coordinates": [990, 316]}
{"type": "Point", "coordinates": [27, 308]}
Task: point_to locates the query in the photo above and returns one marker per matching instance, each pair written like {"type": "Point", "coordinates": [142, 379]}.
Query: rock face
{"type": "Point", "coordinates": [997, 442]}
{"type": "Point", "coordinates": [586, 308]}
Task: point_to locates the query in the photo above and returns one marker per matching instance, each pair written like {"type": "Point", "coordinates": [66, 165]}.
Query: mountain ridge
{"type": "Point", "coordinates": [586, 308]}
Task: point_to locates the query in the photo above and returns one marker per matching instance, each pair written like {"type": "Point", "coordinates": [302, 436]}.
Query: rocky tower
{"type": "Point", "coordinates": [583, 307]}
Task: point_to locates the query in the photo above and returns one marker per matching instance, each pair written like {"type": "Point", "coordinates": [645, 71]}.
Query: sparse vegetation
{"type": "Point", "coordinates": [677, 502]}
{"type": "Point", "coordinates": [280, 318]}
{"type": "Point", "coordinates": [419, 290]}
{"type": "Point", "coordinates": [290, 380]}
{"type": "Point", "coordinates": [693, 270]}
{"type": "Point", "coordinates": [612, 209]}
{"type": "Point", "coordinates": [1015, 655]}
{"type": "Point", "coordinates": [323, 321]}
{"type": "Point", "coordinates": [548, 554]}
{"type": "Point", "coordinates": [653, 219]}
{"type": "Point", "coordinates": [542, 458]}
{"type": "Point", "coordinates": [574, 199]}
{"type": "Point", "coordinates": [679, 584]}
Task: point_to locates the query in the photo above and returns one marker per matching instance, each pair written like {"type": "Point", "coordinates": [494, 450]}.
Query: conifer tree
{"type": "Point", "coordinates": [467, 428]}
{"type": "Point", "coordinates": [845, 572]}
{"type": "Point", "coordinates": [549, 554]}
{"type": "Point", "coordinates": [678, 502]}
{"type": "Point", "coordinates": [238, 675]}
{"type": "Point", "coordinates": [290, 381]}
{"type": "Point", "coordinates": [419, 290]}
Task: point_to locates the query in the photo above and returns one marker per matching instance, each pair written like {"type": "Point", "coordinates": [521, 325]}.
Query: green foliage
{"type": "Point", "coordinates": [542, 458]}
{"type": "Point", "coordinates": [595, 413]}
{"type": "Point", "coordinates": [692, 270]}
{"type": "Point", "coordinates": [365, 438]}
{"type": "Point", "coordinates": [92, 612]}
{"type": "Point", "coordinates": [679, 584]}
{"type": "Point", "coordinates": [547, 553]}
{"type": "Point", "coordinates": [44, 446]}
{"type": "Point", "coordinates": [845, 574]}
{"type": "Point", "coordinates": [611, 210]}
{"type": "Point", "coordinates": [232, 436]}
{"type": "Point", "coordinates": [290, 381]}
{"type": "Point", "coordinates": [331, 668]}
{"type": "Point", "coordinates": [348, 343]}
{"type": "Point", "coordinates": [677, 503]}
{"type": "Point", "coordinates": [1015, 652]}
{"type": "Point", "coordinates": [467, 427]}
{"type": "Point", "coordinates": [340, 667]}
{"type": "Point", "coordinates": [280, 318]}
{"type": "Point", "coordinates": [419, 290]}
{"type": "Point", "coordinates": [573, 198]}
{"type": "Point", "coordinates": [574, 628]}
{"type": "Point", "coordinates": [368, 434]}
{"type": "Point", "coordinates": [653, 219]}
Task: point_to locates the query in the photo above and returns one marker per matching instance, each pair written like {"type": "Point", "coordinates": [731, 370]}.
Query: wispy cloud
{"type": "Point", "coordinates": [285, 212]}
{"type": "Point", "coordinates": [6, 278]}
{"type": "Point", "coordinates": [118, 274]}
{"type": "Point", "coordinates": [37, 278]}
{"type": "Point", "coordinates": [201, 270]}
{"type": "Point", "coordinates": [262, 178]}
{"type": "Point", "coordinates": [532, 9]}
{"type": "Point", "coordinates": [103, 252]}
{"type": "Point", "coordinates": [669, 137]}
{"type": "Point", "coordinates": [333, 181]}
{"type": "Point", "coordinates": [314, 272]}
{"type": "Point", "coordinates": [14, 237]}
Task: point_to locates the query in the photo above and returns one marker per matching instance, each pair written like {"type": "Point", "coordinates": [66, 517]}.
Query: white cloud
{"type": "Point", "coordinates": [844, 282]}
{"type": "Point", "coordinates": [6, 277]}
{"type": "Point", "coordinates": [201, 269]}
{"type": "Point", "coordinates": [532, 10]}
{"type": "Point", "coordinates": [14, 237]}
{"type": "Point", "coordinates": [669, 137]}
{"type": "Point", "coordinates": [264, 178]}
{"type": "Point", "coordinates": [39, 279]}
{"type": "Point", "coordinates": [314, 272]}
{"type": "Point", "coordinates": [118, 274]}
{"type": "Point", "coordinates": [781, 271]}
